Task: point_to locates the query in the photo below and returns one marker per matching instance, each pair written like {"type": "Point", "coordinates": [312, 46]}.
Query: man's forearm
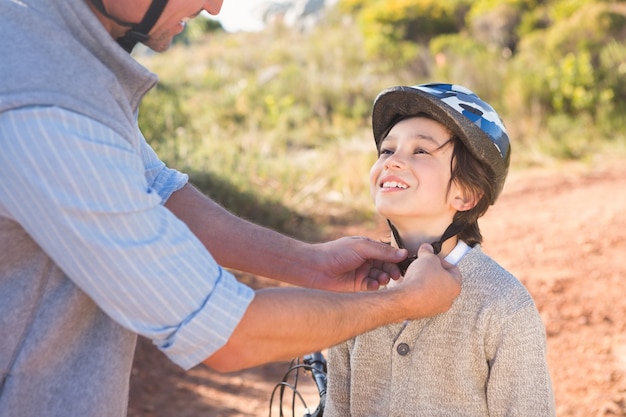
{"type": "Point", "coordinates": [282, 323]}
{"type": "Point", "coordinates": [238, 244]}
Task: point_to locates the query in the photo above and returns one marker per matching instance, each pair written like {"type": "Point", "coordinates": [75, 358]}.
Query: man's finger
{"type": "Point", "coordinates": [369, 249]}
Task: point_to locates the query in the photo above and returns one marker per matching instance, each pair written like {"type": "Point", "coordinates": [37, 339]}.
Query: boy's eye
{"type": "Point", "coordinates": [417, 151]}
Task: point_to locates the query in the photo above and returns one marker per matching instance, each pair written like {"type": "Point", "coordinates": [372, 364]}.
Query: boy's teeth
{"type": "Point", "coordinates": [393, 184]}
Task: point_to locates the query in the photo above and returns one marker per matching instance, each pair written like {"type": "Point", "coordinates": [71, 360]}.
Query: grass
{"type": "Point", "coordinates": [275, 125]}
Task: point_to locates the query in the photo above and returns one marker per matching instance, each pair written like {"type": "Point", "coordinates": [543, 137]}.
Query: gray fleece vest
{"type": "Point", "coordinates": [60, 355]}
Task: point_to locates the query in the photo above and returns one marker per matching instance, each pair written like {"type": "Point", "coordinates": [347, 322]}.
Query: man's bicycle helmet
{"type": "Point", "coordinates": [468, 117]}
{"type": "Point", "coordinates": [471, 119]}
{"type": "Point", "coordinates": [138, 32]}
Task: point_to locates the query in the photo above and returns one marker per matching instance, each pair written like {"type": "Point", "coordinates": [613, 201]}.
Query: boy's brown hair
{"type": "Point", "coordinates": [477, 180]}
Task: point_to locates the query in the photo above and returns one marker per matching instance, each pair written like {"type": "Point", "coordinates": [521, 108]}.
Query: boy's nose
{"type": "Point", "coordinates": [394, 161]}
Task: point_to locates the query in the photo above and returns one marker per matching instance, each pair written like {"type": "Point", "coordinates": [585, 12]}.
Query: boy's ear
{"type": "Point", "coordinates": [464, 201]}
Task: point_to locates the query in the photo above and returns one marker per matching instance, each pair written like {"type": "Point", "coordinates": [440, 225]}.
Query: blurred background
{"type": "Point", "coordinates": [277, 110]}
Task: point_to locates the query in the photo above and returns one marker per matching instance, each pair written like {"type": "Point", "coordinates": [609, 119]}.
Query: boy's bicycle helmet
{"type": "Point", "coordinates": [138, 32]}
{"type": "Point", "coordinates": [471, 119]}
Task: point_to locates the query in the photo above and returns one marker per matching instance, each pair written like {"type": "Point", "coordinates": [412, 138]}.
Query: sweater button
{"type": "Point", "coordinates": [403, 349]}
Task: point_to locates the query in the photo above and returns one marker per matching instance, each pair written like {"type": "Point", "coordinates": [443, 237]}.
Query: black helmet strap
{"type": "Point", "coordinates": [138, 32]}
{"type": "Point", "coordinates": [452, 230]}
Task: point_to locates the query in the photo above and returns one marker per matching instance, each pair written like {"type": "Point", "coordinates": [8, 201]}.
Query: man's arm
{"type": "Point", "coordinates": [347, 264]}
{"type": "Point", "coordinates": [281, 323]}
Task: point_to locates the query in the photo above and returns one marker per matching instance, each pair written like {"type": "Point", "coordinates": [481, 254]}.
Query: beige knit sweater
{"type": "Point", "coordinates": [486, 356]}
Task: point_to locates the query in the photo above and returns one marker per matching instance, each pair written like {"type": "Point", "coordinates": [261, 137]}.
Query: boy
{"type": "Point", "coordinates": [443, 158]}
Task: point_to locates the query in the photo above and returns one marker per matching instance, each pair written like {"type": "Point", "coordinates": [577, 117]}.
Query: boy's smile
{"type": "Point", "coordinates": [390, 183]}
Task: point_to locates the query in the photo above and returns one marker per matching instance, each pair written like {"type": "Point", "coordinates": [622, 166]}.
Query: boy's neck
{"type": "Point", "coordinates": [412, 244]}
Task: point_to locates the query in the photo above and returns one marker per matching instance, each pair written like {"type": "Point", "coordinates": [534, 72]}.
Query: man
{"type": "Point", "coordinates": [100, 241]}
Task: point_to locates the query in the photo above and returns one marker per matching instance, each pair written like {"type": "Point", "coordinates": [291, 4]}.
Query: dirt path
{"type": "Point", "coordinates": [562, 233]}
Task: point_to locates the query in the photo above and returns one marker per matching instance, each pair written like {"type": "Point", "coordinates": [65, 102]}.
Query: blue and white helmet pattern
{"type": "Point", "coordinates": [471, 106]}
{"type": "Point", "coordinates": [474, 121]}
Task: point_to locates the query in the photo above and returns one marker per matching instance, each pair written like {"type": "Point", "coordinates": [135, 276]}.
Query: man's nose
{"type": "Point", "coordinates": [213, 7]}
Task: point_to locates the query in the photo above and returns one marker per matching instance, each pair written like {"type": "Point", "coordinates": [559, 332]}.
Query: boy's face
{"type": "Point", "coordinates": [409, 181]}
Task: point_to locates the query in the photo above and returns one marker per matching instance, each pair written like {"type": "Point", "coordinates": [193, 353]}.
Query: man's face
{"type": "Point", "coordinates": [171, 22]}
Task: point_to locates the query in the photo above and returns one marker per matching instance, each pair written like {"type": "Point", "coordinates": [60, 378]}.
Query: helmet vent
{"type": "Point", "coordinates": [471, 109]}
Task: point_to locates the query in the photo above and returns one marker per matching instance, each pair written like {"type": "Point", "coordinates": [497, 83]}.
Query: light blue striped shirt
{"type": "Point", "coordinates": [93, 202]}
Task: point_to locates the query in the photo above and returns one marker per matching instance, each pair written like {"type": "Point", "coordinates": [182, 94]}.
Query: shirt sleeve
{"type": "Point", "coordinates": [93, 201]}
{"type": "Point", "coordinates": [162, 180]}
{"type": "Point", "coordinates": [519, 343]}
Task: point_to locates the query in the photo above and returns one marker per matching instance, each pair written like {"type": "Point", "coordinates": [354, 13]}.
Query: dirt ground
{"type": "Point", "coordinates": [562, 232]}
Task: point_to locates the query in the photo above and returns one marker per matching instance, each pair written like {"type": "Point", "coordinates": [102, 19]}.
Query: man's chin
{"type": "Point", "coordinates": [159, 45]}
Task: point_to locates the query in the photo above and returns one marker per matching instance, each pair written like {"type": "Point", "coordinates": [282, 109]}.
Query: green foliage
{"type": "Point", "coordinates": [394, 28]}
{"type": "Point", "coordinates": [463, 60]}
{"type": "Point", "coordinates": [197, 28]}
{"type": "Point", "coordinates": [588, 28]}
{"type": "Point", "coordinates": [496, 27]}
{"type": "Point", "coordinates": [562, 10]}
{"type": "Point", "coordinates": [612, 67]}
{"type": "Point", "coordinates": [481, 7]}
{"type": "Point", "coordinates": [166, 127]}
{"type": "Point", "coordinates": [568, 71]}
{"type": "Point", "coordinates": [351, 6]}
{"type": "Point", "coordinates": [276, 125]}
{"type": "Point", "coordinates": [248, 205]}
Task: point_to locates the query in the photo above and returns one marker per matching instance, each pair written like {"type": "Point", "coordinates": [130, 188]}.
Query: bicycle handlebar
{"type": "Point", "coordinates": [317, 362]}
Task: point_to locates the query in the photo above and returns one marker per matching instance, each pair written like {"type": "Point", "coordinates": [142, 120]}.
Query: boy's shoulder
{"type": "Point", "coordinates": [481, 272]}
{"type": "Point", "coordinates": [477, 260]}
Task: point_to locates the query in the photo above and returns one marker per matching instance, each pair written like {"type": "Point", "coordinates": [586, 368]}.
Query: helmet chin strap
{"type": "Point", "coordinates": [138, 32]}
{"type": "Point", "coordinates": [452, 230]}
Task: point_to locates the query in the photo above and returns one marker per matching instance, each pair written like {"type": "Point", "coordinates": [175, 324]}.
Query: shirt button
{"type": "Point", "coordinates": [403, 349]}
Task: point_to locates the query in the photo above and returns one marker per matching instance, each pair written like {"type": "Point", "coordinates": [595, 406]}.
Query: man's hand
{"type": "Point", "coordinates": [284, 322]}
{"type": "Point", "coordinates": [355, 264]}
{"type": "Point", "coordinates": [436, 281]}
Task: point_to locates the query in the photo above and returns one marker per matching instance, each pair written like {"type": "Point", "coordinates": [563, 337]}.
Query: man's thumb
{"type": "Point", "coordinates": [424, 249]}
